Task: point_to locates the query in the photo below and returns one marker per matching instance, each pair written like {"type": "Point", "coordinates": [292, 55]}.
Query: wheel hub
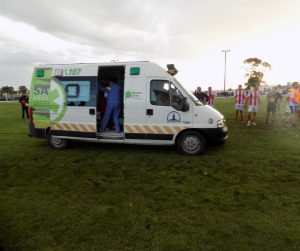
{"type": "Point", "coordinates": [191, 144]}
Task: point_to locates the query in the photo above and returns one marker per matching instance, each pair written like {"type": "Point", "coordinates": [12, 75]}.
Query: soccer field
{"type": "Point", "coordinates": [244, 195]}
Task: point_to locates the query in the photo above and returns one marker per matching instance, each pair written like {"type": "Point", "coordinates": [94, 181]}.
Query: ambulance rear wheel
{"type": "Point", "coordinates": [191, 143]}
{"type": "Point", "coordinates": [57, 143]}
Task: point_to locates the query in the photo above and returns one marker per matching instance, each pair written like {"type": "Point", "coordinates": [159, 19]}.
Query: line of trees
{"type": "Point", "coordinates": [11, 91]}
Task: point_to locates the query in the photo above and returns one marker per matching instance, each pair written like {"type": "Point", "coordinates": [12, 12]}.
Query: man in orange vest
{"type": "Point", "coordinates": [298, 100]}
{"type": "Point", "coordinates": [293, 104]}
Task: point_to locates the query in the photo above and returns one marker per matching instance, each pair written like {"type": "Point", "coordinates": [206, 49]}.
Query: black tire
{"type": "Point", "coordinates": [57, 143]}
{"type": "Point", "coordinates": [191, 143]}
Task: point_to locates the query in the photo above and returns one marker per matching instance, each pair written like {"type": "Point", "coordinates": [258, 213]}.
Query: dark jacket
{"type": "Point", "coordinates": [201, 96]}
{"type": "Point", "coordinates": [24, 100]}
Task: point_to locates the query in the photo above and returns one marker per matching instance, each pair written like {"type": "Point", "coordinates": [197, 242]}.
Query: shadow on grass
{"type": "Point", "coordinates": [111, 147]}
{"type": "Point", "coordinates": [123, 148]}
{"type": "Point", "coordinates": [127, 148]}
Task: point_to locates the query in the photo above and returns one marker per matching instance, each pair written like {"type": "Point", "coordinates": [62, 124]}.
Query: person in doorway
{"type": "Point", "coordinates": [24, 101]}
{"type": "Point", "coordinates": [239, 97]}
{"type": "Point", "coordinates": [201, 96]}
{"type": "Point", "coordinates": [253, 102]}
{"type": "Point", "coordinates": [273, 98]}
{"type": "Point", "coordinates": [113, 107]}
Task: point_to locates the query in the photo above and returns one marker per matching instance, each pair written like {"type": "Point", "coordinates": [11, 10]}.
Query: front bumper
{"type": "Point", "coordinates": [216, 136]}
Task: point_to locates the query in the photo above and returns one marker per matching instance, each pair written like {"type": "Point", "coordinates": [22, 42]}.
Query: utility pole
{"type": "Point", "coordinates": [225, 52]}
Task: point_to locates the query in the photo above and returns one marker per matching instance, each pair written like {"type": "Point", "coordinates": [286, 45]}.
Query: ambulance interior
{"type": "Point", "coordinates": [105, 74]}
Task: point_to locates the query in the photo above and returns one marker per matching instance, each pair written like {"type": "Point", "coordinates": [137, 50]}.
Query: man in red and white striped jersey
{"type": "Point", "coordinates": [211, 97]}
{"type": "Point", "coordinates": [239, 97]}
{"type": "Point", "coordinates": [253, 101]}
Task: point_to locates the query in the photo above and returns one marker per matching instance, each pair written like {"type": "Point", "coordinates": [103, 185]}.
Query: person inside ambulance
{"type": "Point", "coordinates": [161, 95]}
{"type": "Point", "coordinates": [114, 104]}
{"type": "Point", "coordinates": [101, 99]}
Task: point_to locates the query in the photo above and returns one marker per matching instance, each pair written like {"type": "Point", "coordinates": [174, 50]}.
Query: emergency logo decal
{"type": "Point", "coordinates": [128, 95]}
{"type": "Point", "coordinates": [133, 95]}
{"type": "Point", "coordinates": [57, 101]}
{"type": "Point", "coordinates": [173, 117]}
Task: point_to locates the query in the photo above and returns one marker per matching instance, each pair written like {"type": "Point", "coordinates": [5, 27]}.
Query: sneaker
{"type": "Point", "coordinates": [249, 123]}
{"type": "Point", "coordinates": [253, 123]}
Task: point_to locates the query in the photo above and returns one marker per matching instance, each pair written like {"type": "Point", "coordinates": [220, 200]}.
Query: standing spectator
{"type": "Point", "coordinates": [24, 100]}
{"type": "Point", "coordinates": [273, 99]}
{"type": "Point", "coordinates": [211, 97]}
{"type": "Point", "coordinates": [239, 97]}
{"type": "Point", "coordinates": [253, 102]}
{"type": "Point", "coordinates": [201, 96]}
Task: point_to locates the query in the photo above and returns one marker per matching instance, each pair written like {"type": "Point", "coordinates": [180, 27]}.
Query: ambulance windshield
{"type": "Point", "coordinates": [189, 93]}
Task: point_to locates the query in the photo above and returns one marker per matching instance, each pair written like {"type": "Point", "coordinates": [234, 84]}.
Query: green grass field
{"type": "Point", "coordinates": [244, 195]}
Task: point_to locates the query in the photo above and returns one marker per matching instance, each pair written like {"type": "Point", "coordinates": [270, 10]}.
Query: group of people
{"type": "Point", "coordinates": [207, 98]}
{"type": "Point", "coordinates": [251, 99]}
{"type": "Point", "coordinates": [274, 98]}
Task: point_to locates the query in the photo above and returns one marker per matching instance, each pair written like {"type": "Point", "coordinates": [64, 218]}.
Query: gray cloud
{"type": "Point", "coordinates": [155, 30]}
{"type": "Point", "coordinates": [16, 68]}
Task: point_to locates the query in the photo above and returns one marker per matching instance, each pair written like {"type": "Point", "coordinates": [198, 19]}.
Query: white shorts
{"type": "Point", "coordinates": [239, 107]}
{"type": "Point", "coordinates": [287, 109]}
{"type": "Point", "coordinates": [253, 108]}
{"type": "Point", "coordinates": [293, 107]}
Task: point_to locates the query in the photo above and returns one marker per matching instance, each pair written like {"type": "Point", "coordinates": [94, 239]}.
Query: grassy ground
{"type": "Point", "coordinates": [241, 196]}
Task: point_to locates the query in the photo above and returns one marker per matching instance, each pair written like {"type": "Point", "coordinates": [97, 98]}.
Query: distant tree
{"type": "Point", "coordinates": [22, 88]}
{"type": "Point", "coordinates": [255, 69]}
{"type": "Point", "coordinates": [8, 89]}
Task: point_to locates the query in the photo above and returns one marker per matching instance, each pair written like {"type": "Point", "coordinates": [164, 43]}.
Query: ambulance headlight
{"type": "Point", "coordinates": [221, 123]}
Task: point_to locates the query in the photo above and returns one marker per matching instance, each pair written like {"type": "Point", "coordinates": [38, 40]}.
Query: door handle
{"type": "Point", "coordinates": [92, 111]}
{"type": "Point", "coordinates": [149, 112]}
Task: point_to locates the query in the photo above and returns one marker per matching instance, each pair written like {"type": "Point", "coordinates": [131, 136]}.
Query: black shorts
{"type": "Point", "coordinates": [271, 107]}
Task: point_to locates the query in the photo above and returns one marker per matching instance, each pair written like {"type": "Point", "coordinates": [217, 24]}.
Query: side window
{"type": "Point", "coordinates": [159, 92]}
{"type": "Point", "coordinates": [79, 92]}
{"type": "Point", "coordinates": [177, 99]}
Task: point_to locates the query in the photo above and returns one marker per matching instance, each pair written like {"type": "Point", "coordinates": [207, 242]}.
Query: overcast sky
{"type": "Point", "coordinates": [190, 34]}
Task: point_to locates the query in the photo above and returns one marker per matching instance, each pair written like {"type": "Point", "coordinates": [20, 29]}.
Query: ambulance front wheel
{"type": "Point", "coordinates": [191, 143]}
{"type": "Point", "coordinates": [57, 143]}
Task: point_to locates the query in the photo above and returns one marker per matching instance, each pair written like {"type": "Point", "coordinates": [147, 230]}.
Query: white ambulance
{"type": "Point", "coordinates": [67, 102]}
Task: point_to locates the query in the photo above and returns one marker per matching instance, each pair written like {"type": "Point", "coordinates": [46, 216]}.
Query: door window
{"type": "Point", "coordinates": [165, 93]}
{"type": "Point", "coordinates": [159, 92]}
